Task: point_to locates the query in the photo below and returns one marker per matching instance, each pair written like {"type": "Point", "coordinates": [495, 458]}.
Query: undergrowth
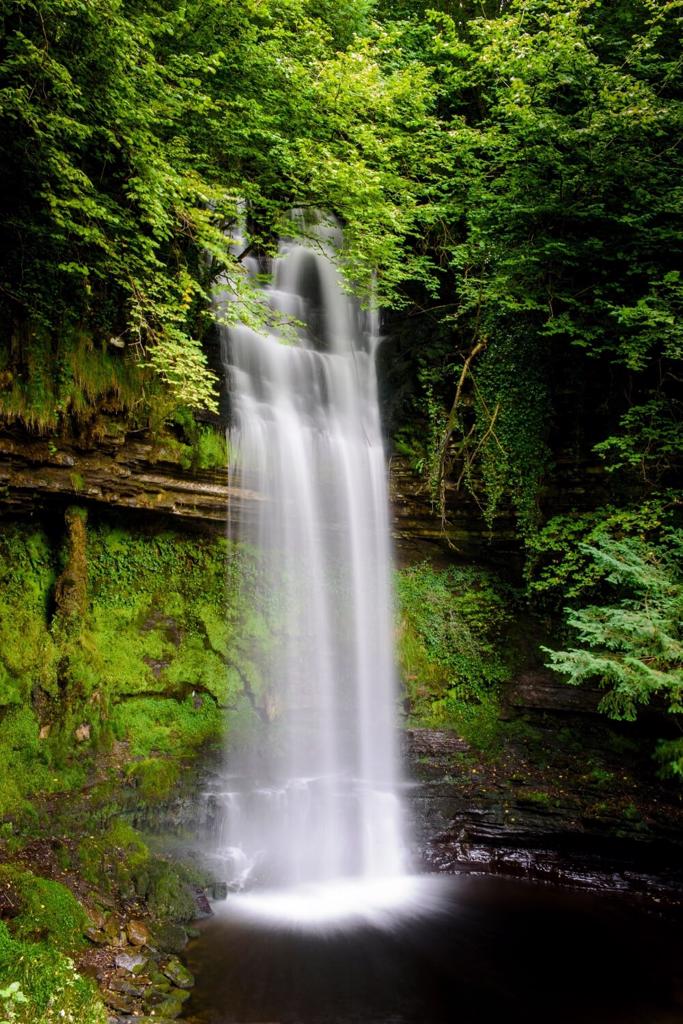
{"type": "Point", "coordinates": [453, 648]}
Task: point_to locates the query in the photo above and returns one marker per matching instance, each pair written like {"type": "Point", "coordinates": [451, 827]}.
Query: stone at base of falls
{"type": "Point", "coordinates": [171, 938]}
{"type": "Point", "coordinates": [173, 1006]}
{"type": "Point", "coordinates": [202, 903]}
{"type": "Point", "coordinates": [134, 963]}
{"type": "Point", "coordinates": [119, 1001]}
{"type": "Point", "coordinates": [126, 987]}
{"type": "Point", "coordinates": [138, 933]}
{"type": "Point", "coordinates": [178, 974]}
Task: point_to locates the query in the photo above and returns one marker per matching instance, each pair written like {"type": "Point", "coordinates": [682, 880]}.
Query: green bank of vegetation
{"type": "Point", "coordinates": [135, 639]}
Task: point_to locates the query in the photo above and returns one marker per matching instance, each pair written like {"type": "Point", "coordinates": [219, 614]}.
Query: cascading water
{"type": "Point", "coordinates": [313, 794]}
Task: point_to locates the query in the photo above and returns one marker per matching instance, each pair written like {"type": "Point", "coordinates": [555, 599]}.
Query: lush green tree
{"type": "Point", "coordinates": [131, 132]}
{"type": "Point", "coordinates": [633, 643]}
{"type": "Point", "coordinates": [554, 215]}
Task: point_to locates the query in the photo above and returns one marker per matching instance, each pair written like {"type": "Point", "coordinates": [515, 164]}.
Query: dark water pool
{"type": "Point", "coordinates": [467, 951]}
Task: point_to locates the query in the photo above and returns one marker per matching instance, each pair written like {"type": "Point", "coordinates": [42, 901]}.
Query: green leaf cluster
{"type": "Point", "coordinates": [632, 644]}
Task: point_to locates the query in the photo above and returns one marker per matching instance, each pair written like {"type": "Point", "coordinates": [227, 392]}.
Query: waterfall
{"type": "Point", "coordinates": [313, 791]}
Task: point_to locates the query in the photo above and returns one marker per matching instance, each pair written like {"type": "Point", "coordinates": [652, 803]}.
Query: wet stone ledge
{"type": "Point", "coordinates": [493, 829]}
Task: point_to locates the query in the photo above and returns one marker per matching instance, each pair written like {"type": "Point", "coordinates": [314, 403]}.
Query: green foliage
{"type": "Point", "coordinates": [512, 407]}
{"type": "Point", "coordinates": [650, 441]}
{"type": "Point", "coordinates": [451, 646]}
{"type": "Point", "coordinates": [555, 221]}
{"type": "Point", "coordinates": [130, 136]}
{"type": "Point", "coordinates": [47, 910]}
{"type": "Point", "coordinates": [211, 449]}
{"type": "Point", "coordinates": [561, 564]}
{"type": "Point", "coordinates": [632, 645]}
{"type": "Point", "coordinates": [669, 754]}
{"type": "Point", "coordinates": [11, 997]}
{"type": "Point", "coordinates": [53, 991]}
{"type": "Point", "coordinates": [46, 384]}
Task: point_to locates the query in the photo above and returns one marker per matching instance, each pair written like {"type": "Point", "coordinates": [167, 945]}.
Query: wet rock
{"type": "Point", "coordinates": [134, 963]}
{"type": "Point", "coordinates": [159, 989]}
{"type": "Point", "coordinates": [138, 933]}
{"type": "Point", "coordinates": [543, 690]}
{"type": "Point", "coordinates": [97, 918]}
{"type": "Point", "coordinates": [119, 1001]}
{"type": "Point", "coordinates": [125, 987]}
{"type": "Point", "coordinates": [99, 938]}
{"type": "Point", "coordinates": [178, 974]}
{"type": "Point", "coordinates": [173, 1006]}
{"type": "Point", "coordinates": [219, 891]}
{"type": "Point", "coordinates": [202, 902]}
{"type": "Point", "coordinates": [171, 938]}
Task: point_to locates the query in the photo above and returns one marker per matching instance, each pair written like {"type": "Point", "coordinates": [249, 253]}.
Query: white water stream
{"type": "Point", "coordinates": [315, 799]}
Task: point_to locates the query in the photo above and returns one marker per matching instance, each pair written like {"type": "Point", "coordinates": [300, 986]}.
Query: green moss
{"type": "Point", "coordinates": [155, 778]}
{"type": "Point", "coordinates": [169, 896]}
{"type": "Point", "coordinates": [536, 796]}
{"type": "Point", "coordinates": [163, 615]}
{"type": "Point", "coordinates": [28, 656]}
{"type": "Point", "coordinates": [48, 911]}
{"type": "Point", "coordinates": [69, 379]}
{"type": "Point", "coordinates": [165, 726]}
{"type": "Point", "coordinates": [119, 861]}
{"type": "Point", "coordinates": [31, 765]}
{"type": "Point", "coordinates": [52, 988]}
{"type": "Point", "coordinates": [113, 859]}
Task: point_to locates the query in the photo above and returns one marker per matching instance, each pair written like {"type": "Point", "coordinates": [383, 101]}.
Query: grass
{"type": "Point", "coordinates": [51, 988]}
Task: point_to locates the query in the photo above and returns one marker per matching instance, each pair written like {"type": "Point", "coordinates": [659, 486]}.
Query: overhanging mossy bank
{"type": "Point", "coordinates": [121, 636]}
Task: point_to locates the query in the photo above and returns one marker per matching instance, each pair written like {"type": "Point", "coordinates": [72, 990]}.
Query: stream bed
{"type": "Point", "coordinates": [471, 950]}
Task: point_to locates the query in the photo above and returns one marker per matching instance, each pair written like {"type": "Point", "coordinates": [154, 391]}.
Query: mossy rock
{"type": "Point", "coordinates": [169, 894]}
{"type": "Point", "coordinates": [170, 937]}
{"type": "Point", "coordinates": [155, 778]}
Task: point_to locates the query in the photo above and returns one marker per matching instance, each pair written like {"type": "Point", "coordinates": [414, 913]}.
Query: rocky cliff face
{"type": "Point", "coordinates": [127, 472]}
{"type": "Point", "coordinates": [512, 820]}
{"type": "Point", "coordinates": [39, 474]}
